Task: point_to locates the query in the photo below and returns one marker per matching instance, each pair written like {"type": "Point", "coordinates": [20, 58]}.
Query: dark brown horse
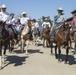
{"type": "Point", "coordinates": [46, 36]}
{"type": "Point", "coordinates": [61, 38]}
{"type": "Point", "coordinates": [4, 41]}
{"type": "Point", "coordinates": [73, 39]}
{"type": "Point", "coordinates": [13, 38]}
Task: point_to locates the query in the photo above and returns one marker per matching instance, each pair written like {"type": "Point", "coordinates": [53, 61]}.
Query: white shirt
{"type": "Point", "coordinates": [13, 21]}
{"type": "Point", "coordinates": [24, 20]}
{"type": "Point", "coordinates": [4, 16]}
{"type": "Point", "coordinates": [10, 21]}
{"type": "Point", "coordinates": [36, 25]}
{"type": "Point", "coordinates": [45, 23]}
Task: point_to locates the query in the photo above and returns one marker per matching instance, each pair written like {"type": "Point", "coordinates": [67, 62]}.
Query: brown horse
{"type": "Point", "coordinates": [4, 41]}
{"type": "Point", "coordinates": [26, 35]}
{"type": "Point", "coordinates": [46, 36]}
{"type": "Point", "coordinates": [13, 38]}
{"type": "Point", "coordinates": [73, 39]}
{"type": "Point", "coordinates": [61, 37]}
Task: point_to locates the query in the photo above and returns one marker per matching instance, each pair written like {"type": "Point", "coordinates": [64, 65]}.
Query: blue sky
{"type": "Point", "coordinates": [38, 8]}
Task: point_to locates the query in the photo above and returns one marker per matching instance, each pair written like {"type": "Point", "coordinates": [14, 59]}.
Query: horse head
{"type": "Point", "coordinates": [29, 23]}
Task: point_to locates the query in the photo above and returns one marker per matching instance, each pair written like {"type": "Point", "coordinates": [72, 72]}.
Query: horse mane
{"type": "Point", "coordinates": [24, 28]}
{"type": "Point", "coordinates": [62, 33]}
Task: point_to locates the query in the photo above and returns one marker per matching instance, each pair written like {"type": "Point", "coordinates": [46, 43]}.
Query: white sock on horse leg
{"type": "Point", "coordinates": [0, 61]}
{"type": "Point", "coordinates": [27, 43]}
{"type": "Point", "coordinates": [3, 58]}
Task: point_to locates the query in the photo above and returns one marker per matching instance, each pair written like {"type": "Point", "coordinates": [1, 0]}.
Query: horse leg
{"type": "Point", "coordinates": [12, 46]}
{"type": "Point", "coordinates": [43, 42]}
{"type": "Point", "coordinates": [22, 45]}
{"type": "Point", "coordinates": [56, 52]}
{"type": "Point", "coordinates": [9, 46]}
{"type": "Point", "coordinates": [67, 51]}
{"type": "Point", "coordinates": [0, 56]}
{"type": "Point", "coordinates": [36, 40]}
{"type": "Point", "coordinates": [27, 43]}
{"type": "Point", "coordinates": [46, 42]}
{"type": "Point", "coordinates": [70, 45]}
{"type": "Point", "coordinates": [59, 53]}
{"type": "Point", "coordinates": [5, 47]}
{"type": "Point", "coordinates": [51, 45]}
{"type": "Point", "coordinates": [75, 47]}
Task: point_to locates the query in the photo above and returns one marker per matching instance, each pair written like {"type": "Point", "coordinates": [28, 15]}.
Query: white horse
{"type": "Point", "coordinates": [25, 36]}
{"type": "Point", "coordinates": [35, 35]}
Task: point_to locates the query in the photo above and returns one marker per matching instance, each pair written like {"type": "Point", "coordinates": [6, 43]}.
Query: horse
{"type": "Point", "coordinates": [26, 35]}
{"type": "Point", "coordinates": [61, 37]}
{"type": "Point", "coordinates": [46, 36]}
{"type": "Point", "coordinates": [13, 36]}
{"type": "Point", "coordinates": [73, 39]}
{"type": "Point", "coordinates": [35, 34]}
{"type": "Point", "coordinates": [4, 41]}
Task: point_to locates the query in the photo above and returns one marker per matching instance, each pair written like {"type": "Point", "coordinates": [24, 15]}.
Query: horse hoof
{"type": "Point", "coordinates": [1, 68]}
{"type": "Point", "coordinates": [27, 53]}
{"type": "Point", "coordinates": [56, 57]}
{"type": "Point", "coordinates": [65, 62]}
{"type": "Point", "coordinates": [59, 61]}
{"type": "Point", "coordinates": [51, 54]}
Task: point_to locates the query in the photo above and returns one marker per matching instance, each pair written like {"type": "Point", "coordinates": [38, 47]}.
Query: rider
{"type": "Point", "coordinates": [18, 25]}
{"type": "Point", "coordinates": [35, 23]}
{"type": "Point", "coordinates": [58, 19]}
{"type": "Point", "coordinates": [24, 19]}
{"type": "Point", "coordinates": [3, 14]}
{"type": "Point", "coordinates": [73, 24]}
{"type": "Point", "coordinates": [46, 23]}
{"type": "Point", "coordinates": [11, 24]}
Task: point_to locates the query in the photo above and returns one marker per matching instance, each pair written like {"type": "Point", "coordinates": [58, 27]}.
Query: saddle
{"type": "Point", "coordinates": [13, 29]}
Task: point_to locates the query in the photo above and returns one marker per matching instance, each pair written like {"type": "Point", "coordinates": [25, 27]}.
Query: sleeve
{"type": "Point", "coordinates": [0, 15]}
{"type": "Point", "coordinates": [49, 25]}
{"type": "Point", "coordinates": [42, 24]}
{"type": "Point", "coordinates": [72, 22]}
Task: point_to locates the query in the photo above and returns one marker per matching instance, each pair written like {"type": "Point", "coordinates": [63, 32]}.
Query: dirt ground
{"type": "Point", "coordinates": [39, 61]}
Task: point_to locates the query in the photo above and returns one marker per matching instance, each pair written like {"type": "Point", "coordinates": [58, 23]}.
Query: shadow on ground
{"type": "Point", "coordinates": [71, 59]}
{"type": "Point", "coordinates": [16, 60]}
{"type": "Point", "coordinates": [29, 51]}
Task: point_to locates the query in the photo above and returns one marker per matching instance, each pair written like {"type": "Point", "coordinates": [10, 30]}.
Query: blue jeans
{"type": "Point", "coordinates": [53, 31]}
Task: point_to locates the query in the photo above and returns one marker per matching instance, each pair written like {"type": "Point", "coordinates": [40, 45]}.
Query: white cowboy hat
{"type": "Point", "coordinates": [60, 9]}
{"type": "Point", "coordinates": [24, 13]}
{"type": "Point", "coordinates": [4, 6]}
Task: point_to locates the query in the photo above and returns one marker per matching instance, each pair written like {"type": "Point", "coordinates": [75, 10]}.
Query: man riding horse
{"type": "Point", "coordinates": [58, 19]}
{"type": "Point", "coordinates": [73, 25]}
{"type": "Point", "coordinates": [3, 33]}
{"type": "Point", "coordinates": [46, 23]}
